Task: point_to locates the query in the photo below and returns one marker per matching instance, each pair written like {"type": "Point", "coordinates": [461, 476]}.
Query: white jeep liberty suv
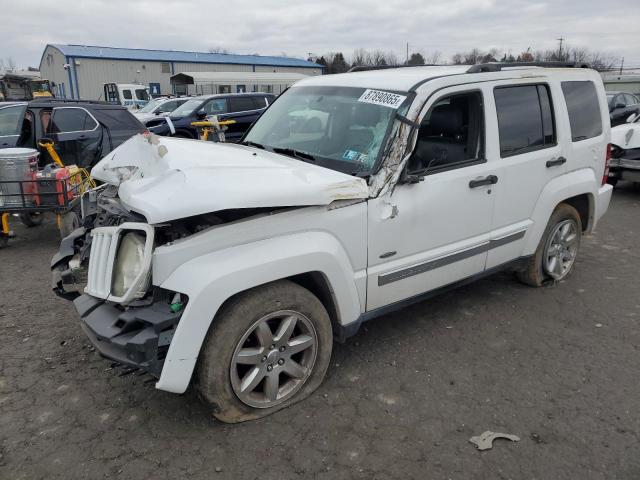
{"type": "Point", "coordinates": [236, 266]}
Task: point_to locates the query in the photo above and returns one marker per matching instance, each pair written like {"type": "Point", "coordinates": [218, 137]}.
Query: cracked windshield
{"type": "Point", "coordinates": [336, 127]}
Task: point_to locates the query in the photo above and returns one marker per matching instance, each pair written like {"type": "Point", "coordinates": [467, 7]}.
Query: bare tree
{"type": "Point", "coordinates": [433, 58]}
{"type": "Point", "coordinates": [218, 49]}
{"type": "Point", "coordinates": [361, 58]}
{"type": "Point", "coordinates": [11, 64]}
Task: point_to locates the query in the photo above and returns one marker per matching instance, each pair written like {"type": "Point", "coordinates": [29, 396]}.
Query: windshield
{"type": "Point", "coordinates": [342, 128]}
{"type": "Point", "coordinates": [40, 86]}
{"type": "Point", "coordinates": [11, 120]}
{"type": "Point", "coordinates": [187, 108]}
{"type": "Point", "coordinates": [150, 107]}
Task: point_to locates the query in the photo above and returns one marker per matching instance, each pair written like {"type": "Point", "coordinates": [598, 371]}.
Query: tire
{"type": "Point", "coordinates": [31, 219]}
{"type": "Point", "coordinates": [4, 240]}
{"type": "Point", "coordinates": [219, 377]}
{"type": "Point", "coordinates": [69, 221]}
{"type": "Point", "coordinates": [537, 272]}
{"type": "Point", "coordinates": [613, 181]}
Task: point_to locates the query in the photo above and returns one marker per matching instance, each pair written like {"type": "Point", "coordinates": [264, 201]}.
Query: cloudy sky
{"type": "Point", "coordinates": [319, 26]}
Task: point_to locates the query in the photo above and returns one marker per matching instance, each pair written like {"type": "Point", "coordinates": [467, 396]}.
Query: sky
{"type": "Point", "coordinates": [271, 27]}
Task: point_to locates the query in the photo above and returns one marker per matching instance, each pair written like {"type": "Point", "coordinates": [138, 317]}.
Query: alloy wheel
{"type": "Point", "coordinates": [273, 359]}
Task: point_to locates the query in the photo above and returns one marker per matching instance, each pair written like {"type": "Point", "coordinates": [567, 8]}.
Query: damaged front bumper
{"type": "Point", "coordinates": [138, 337]}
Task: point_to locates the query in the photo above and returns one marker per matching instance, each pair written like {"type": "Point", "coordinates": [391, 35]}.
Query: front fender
{"type": "Point", "coordinates": [211, 279]}
{"type": "Point", "coordinates": [569, 185]}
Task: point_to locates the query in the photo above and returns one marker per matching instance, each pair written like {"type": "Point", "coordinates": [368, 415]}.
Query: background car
{"type": "Point", "coordinates": [621, 105]}
{"type": "Point", "coordinates": [159, 107]}
{"type": "Point", "coordinates": [244, 108]}
{"type": "Point", "coordinates": [82, 131]}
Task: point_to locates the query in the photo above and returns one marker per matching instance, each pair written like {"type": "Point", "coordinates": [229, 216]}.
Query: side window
{"type": "Point", "coordinates": [630, 99]}
{"type": "Point", "coordinates": [450, 134]}
{"type": "Point", "coordinates": [584, 109]}
{"type": "Point", "coordinates": [168, 106]}
{"type": "Point", "coordinates": [142, 95]}
{"type": "Point", "coordinates": [126, 94]}
{"type": "Point", "coordinates": [215, 106]}
{"type": "Point", "coordinates": [11, 119]}
{"type": "Point", "coordinates": [71, 120]}
{"type": "Point", "coordinates": [525, 119]}
{"type": "Point", "coordinates": [241, 104]}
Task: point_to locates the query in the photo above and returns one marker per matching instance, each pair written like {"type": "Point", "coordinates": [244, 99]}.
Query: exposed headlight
{"type": "Point", "coordinates": [129, 263]}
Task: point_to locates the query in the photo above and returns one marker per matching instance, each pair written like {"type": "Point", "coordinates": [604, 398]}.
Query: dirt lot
{"type": "Point", "coordinates": [557, 366]}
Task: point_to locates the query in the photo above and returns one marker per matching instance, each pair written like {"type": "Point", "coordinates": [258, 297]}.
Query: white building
{"type": "Point", "coordinates": [80, 71]}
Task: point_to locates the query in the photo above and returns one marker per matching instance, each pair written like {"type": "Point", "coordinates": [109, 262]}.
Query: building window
{"type": "Point", "coordinates": [165, 67]}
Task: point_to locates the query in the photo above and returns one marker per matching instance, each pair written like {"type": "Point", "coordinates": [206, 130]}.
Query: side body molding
{"type": "Point", "coordinates": [211, 279]}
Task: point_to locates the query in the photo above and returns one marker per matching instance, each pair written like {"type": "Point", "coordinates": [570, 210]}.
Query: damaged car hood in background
{"type": "Point", "coordinates": [168, 178]}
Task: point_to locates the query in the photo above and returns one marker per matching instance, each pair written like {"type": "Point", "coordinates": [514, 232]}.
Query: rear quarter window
{"type": "Point", "coordinates": [116, 119]}
{"type": "Point", "coordinates": [583, 106]}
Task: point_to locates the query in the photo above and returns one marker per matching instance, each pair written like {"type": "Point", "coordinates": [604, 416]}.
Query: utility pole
{"type": "Point", "coordinates": [407, 54]}
{"type": "Point", "coordinates": [621, 65]}
{"type": "Point", "coordinates": [561, 39]}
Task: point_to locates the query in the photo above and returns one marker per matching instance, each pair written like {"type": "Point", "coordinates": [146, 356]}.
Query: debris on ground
{"type": "Point", "coordinates": [485, 441]}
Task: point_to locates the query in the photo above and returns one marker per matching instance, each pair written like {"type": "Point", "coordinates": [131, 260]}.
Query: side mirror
{"type": "Point", "coordinates": [619, 105]}
{"type": "Point", "coordinates": [201, 115]}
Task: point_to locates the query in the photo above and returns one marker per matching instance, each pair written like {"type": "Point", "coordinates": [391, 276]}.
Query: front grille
{"type": "Point", "coordinates": [103, 248]}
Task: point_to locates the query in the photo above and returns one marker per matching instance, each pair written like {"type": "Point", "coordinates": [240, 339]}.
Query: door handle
{"type": "Point", "coordinates": [556, 162]}
{"type": "Point", "coordinates": [479, 182]}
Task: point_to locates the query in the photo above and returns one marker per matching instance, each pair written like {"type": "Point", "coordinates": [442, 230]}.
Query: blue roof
{"type": "Point", "coordinates": [91, 51]}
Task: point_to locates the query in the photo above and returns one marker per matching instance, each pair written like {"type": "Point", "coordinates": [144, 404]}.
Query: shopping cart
{"type": "Point", "coordinates": [56, 189]}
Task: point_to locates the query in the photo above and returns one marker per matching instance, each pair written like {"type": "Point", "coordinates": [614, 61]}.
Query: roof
{"type": "Point", "coordinates": [408, 78]}
{"type": "Point", "coordinates": [60, 102]}
{"type": "Point", "coordinates": [92, 51]}
{"type": "Point", "coordinates": [237, 77]}
{"type": "Point", "coordinates": [400, 79]}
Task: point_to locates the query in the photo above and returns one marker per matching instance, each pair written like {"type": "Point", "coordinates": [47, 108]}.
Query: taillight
{"type": "Point", "coordinates": [607, 162]}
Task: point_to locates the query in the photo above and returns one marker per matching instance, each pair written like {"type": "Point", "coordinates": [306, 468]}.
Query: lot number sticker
{"type": "Point", "coordinates": [378, 97]}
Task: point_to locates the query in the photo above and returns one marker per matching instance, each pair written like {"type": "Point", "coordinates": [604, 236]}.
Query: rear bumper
{"type": "Point", "coordinates": [603, 198]}
{"type": "Point", "coordinates": [138, 337]}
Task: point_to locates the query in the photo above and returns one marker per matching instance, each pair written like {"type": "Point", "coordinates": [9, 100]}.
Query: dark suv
{"type": "Point", "coordinates": [244, 108]}
{"type": "Point", "coordinates": [82, 131]}
{"type": "Point", "coordinates": [621, 105]}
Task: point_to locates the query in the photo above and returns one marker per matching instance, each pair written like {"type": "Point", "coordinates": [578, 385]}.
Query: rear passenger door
{"type": "Point", "coordinates": [244, 110]}
{"type": "Point", "coordinates": [527, 155]}
{"type": "Point", "coordinates": [76, 134]}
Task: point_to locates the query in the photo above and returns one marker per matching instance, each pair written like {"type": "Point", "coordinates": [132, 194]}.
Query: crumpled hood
{"type": "Point", "coordinates": [169, 178]}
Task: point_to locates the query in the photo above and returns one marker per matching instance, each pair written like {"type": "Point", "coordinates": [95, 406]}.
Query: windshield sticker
{"type": "Point", "coordinates": [386, 99]}
{"type": "Point", "coordinates": [350, 155]}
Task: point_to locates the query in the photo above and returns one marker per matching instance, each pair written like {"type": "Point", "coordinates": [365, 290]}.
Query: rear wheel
{"type": "Point", "coordinates": [268, 348]}
{"type": "Point", "coordinates": [558, 249]}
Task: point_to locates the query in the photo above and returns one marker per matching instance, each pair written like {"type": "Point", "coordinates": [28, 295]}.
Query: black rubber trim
{"type": "Point", "coordinates": [138, 337]}
{"type": "Point", "coordinates": [449, 259]}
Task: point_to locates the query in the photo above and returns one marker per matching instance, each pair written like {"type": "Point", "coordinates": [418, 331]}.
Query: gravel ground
{"type": "Point", "coordinates": [557, 366]}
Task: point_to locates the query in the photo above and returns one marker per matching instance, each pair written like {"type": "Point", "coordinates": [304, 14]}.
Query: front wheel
{"type": "Point", "coordinates": [268, 348]}
{"type": "Point", "coordinates": [558, 249]}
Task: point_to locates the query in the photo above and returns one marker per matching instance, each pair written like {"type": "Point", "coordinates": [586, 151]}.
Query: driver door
{"type": "Point", "coordinates": [435, 232]}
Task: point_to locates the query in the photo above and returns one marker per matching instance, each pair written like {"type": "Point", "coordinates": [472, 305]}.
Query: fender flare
{"type": "Point", "coordinates": [212, 279]}
{"type": "Point", "coordinates": [572, 184]}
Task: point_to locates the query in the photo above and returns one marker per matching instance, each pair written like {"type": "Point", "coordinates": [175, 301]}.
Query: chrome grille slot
{"type": "Point", "coordinates": [98, 284]}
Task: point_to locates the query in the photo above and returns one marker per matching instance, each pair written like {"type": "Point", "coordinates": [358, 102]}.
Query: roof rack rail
{"type": "Point", "coordinates": [367, 68]}
{"type": "Point", "coordinates": [498, 66]}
